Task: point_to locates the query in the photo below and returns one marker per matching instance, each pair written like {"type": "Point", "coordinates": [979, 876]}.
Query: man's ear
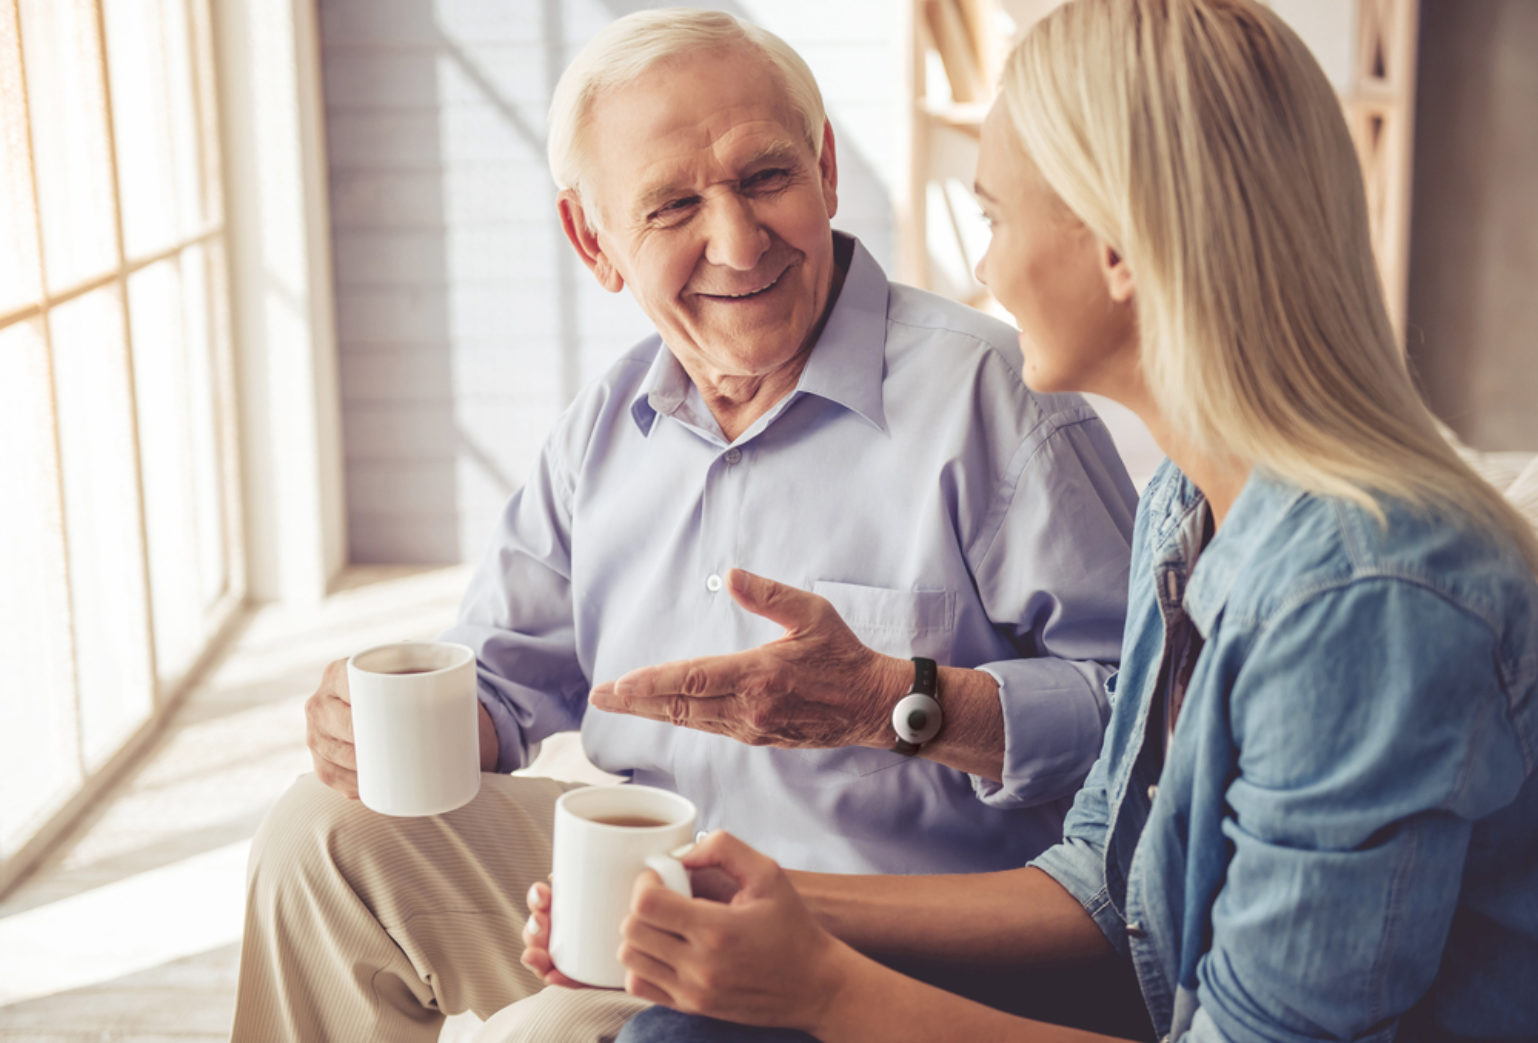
{"type": "Point", "coordinates": [827, 166]}
{"type": "Point", "coordinates": [583, 236]}
{"type": "Point", "coordinates": [1117, 274]}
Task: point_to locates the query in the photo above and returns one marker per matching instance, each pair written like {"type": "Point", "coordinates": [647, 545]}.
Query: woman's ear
{"type": "Point", "coordinates": [584, 238]}
{"type": "Point", "coordinates": [1117, 274]}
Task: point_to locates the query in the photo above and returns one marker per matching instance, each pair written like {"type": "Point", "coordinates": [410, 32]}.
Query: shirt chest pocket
{"type": "Point", "coordinates": [895, 622]}
{"type": "Point", "coordinates": [902, 623]}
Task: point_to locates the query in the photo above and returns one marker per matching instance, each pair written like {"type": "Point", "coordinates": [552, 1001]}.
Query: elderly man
{"type": "Point", "coordinates": [864, 452]}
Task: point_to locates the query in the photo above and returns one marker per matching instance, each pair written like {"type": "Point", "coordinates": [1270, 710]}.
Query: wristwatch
{"type": "Point", "coordinates": [917, 718]}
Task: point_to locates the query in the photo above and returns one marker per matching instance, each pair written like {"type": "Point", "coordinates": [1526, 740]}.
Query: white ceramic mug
{"type": "Point", "coordinates": [604, 837]}
{"type": "Point", "coordinates": [415, 727]}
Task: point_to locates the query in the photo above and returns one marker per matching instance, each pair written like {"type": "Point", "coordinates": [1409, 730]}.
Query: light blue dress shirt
{"type": "Point", "coordinates": [1341, 841]}
{"type": "Point", "coordinates": [913, 481]}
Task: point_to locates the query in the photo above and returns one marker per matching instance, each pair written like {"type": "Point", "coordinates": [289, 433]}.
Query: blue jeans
{"type": "Point", "coordinates": [661, 1025]}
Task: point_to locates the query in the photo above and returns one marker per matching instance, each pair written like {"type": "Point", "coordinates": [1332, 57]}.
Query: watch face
{"type": "Point", "coordinates": [916, 718]}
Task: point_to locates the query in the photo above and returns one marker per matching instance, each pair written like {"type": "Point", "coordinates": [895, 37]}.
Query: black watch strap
{"type": "Point", "coordinates": [926, 681]}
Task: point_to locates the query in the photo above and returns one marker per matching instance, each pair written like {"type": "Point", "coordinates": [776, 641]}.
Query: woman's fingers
{"type": "Point", "coordinates": [660, 945]}
{"type": "Point", "coordinates": [640, 988]}
{"type": "Point", "coordinates": [728, 855]}
{"type": "Point", "coordinates": [536, 940]}
{"type": "Point", "coordinates": [652, 903]}
{"type": "Point", "coordinates": [648, 967]}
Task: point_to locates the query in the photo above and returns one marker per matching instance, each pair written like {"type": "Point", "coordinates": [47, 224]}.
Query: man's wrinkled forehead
{"type": "Point", "coordinates": [641, 161]}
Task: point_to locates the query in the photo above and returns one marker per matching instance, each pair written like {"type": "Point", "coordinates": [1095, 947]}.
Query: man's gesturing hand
{"type": "Point", "coordinates": [328, 731]}
{"type": "Point", "coordinates": [817, 685]}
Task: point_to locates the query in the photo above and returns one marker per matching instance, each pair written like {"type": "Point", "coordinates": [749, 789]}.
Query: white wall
{"type": "Point", "coordinates": [281, 304]}
{"type": "Point", "coordinates": [464, 324]}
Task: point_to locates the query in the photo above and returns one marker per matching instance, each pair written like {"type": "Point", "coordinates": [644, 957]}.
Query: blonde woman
{"type": "Point", "coordinates": [1315, 815]}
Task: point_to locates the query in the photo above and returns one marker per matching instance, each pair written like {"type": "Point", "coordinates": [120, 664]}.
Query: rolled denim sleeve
{"type": "Point", "coordinates": [1372, 730]}
{"type": "Point", "coordinates": [1053, 569]}
{"type": "Point", "coordinates": [1077, 863]}
{"type": "Point", "coordinates": [517, 617]}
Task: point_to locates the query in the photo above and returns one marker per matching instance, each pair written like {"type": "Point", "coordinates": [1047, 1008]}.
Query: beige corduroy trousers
{"type": "Point", "coordinates": [360, 926]}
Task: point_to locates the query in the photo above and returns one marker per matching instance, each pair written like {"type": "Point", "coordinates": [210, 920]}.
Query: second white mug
{"type": "Point", "coordinates": [604, 837]}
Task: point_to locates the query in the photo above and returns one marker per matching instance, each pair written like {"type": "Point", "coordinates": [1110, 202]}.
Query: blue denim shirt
{"type": "Point", "coordinates": [1341, 841]}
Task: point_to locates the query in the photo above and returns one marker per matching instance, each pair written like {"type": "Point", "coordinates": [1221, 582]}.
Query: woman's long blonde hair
{"type": "Point", "coordinates": [1201, 141]}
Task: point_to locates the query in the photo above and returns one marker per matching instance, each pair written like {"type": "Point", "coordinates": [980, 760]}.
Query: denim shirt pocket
{"type": "Point", "coordinates": [893, 622]}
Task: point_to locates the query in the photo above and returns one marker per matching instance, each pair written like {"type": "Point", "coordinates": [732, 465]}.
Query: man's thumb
{"type": "Point", "coordinates": [788, 606]}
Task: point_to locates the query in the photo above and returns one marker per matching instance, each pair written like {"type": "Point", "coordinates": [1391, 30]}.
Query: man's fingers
{"type": "Point", "coordinates": [343, 780]}
{"type": "Point", "coordinates": [336, 717]}
{"type": "Point", "coordinates": [334, 751]}
{"type": "Point", "coordinates": [326, 713]}
{"type": "Point", "coordinates": [712, 713]}
{"type": "Point", "coordinates": [334, 680]}
{"type": "Point", "coordinates": [699, 678]}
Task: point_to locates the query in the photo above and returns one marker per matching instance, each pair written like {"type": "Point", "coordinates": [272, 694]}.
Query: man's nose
{"type": "Point", "coordinates": [735, 238]}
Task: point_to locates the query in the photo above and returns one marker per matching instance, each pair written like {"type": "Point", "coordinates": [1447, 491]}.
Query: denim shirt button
{"type": "Point", "coordinates": [1134, 929]}
{"type": "Point", "coordinates": [1153, 791]}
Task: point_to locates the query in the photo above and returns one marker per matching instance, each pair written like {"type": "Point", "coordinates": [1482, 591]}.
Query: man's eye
{"type": "Point", "coordinates": [674, 209]}
{"type": "Point", "coordinates": [771, 178]}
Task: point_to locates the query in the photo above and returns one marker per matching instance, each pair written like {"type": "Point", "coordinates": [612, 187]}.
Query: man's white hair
{"type": "Point", "coordinates": [631, 45]}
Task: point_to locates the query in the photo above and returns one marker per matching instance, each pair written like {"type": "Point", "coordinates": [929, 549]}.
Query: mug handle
{"type": "Point", "coordinates": [674, 876]}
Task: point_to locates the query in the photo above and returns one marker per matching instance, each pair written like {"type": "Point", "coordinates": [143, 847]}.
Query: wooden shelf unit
{"type": "Point", "coordinates": [957, 49]}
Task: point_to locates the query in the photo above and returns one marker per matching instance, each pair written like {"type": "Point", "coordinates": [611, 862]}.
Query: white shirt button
{"type": "Point", "coordinates": [1153, 791]}
{"type": "Point", "coordinates": [713, 583]}
{"type": "Point", "coordinates": [733, 455]}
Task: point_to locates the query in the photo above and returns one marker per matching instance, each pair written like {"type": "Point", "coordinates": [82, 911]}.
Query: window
{"type": "Point", "coordinates": [119, 520]}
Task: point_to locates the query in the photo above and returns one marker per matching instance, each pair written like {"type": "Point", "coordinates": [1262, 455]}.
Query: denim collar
{"type": "Point", "coordinates": [845, 367]}
{"type": "Point", "coordinates": [1255, 513]}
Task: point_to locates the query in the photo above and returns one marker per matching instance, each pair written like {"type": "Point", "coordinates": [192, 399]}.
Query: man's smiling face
{"type": "Point", "coordinates": [712, 206]}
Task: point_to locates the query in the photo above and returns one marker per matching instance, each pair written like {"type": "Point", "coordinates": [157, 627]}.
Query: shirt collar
{"type": "Point", "coordinates": [845, 367]}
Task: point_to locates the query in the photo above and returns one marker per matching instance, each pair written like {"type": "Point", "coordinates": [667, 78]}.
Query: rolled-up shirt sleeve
{"type": "Point", "coordinates": [517, 617]}
{"type": "Point", "coordinates": [1052, 568]}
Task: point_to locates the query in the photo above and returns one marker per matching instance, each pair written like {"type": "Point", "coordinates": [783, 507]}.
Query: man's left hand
{"type": "Point", "coordinates": [815, 686]}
